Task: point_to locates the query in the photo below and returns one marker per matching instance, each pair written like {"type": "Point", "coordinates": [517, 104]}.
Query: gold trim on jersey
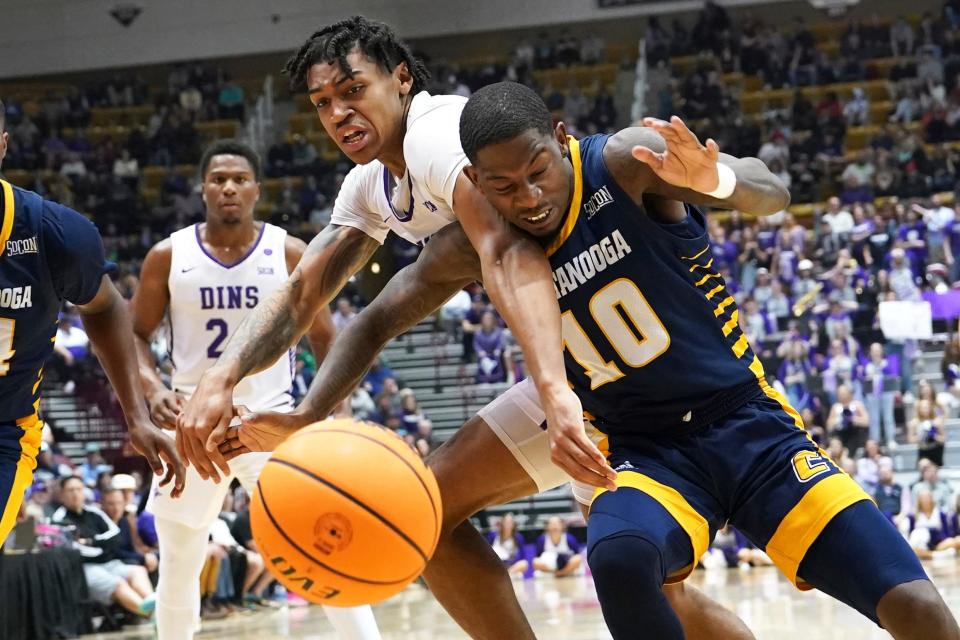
{"type": "Point", "coordinates": [695, 525]}
{"type": "Point", "coordinates": [6, 194]}
{"type": "Point", "coordinates": [574, 212]}
{"type": "Point", "coordinates": [701, 266]}
{"type": "Point", "coordinates": [691, 258]}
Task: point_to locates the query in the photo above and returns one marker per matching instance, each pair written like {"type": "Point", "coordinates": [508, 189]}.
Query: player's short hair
{"type": "Point", "coordinates": [232, 148]}
{"type": "Point", "coordinates": [333, 43]}
{"type": "Point", "coordinates": [499, 112]}
{"type": "Point", "coordinates": [3, 116]}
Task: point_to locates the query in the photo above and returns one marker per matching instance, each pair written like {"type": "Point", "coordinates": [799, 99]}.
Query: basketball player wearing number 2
{"type": "Point", "coordinates": [207, 278]}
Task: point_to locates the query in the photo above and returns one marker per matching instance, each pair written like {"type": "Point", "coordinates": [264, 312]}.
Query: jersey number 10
{"type": "Point", "coordinates": [637, 343]}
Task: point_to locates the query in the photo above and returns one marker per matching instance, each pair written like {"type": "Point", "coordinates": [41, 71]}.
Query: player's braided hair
{"type": "Point", "coordinates": [332, 43]}
{"type": "Point", "coordinates": [499, 112]}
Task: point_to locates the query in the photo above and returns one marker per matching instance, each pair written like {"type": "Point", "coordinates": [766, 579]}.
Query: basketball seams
{"type": "Point", "coordinates": [309, 556]}
{"type": "Point", "coordinates": [438, 521]}
{"type": "Point", "coordinates": [356, 501]}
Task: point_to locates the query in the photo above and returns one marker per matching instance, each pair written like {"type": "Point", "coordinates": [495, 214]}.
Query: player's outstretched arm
{"type": "Point", "coordinates": [666, 158]}
{"type": "Point", "coordinates": [321, 333]}
{"type": "Point", "coordinates": [446, 265]}
{"type": "Point", "coordinates": [149, 305]}
{"type": "Point", "coordinates": [517, 275]}
{"type": "Point", "coordinates": [265, 334]}
{"type": "Point", "coordinates": [107, 323]}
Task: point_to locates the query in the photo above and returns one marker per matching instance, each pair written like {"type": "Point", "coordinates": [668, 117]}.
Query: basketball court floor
{"type": "Point", "coordinates": [566, 609]}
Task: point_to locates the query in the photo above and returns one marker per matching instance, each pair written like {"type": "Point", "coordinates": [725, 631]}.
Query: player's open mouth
{"type": "Point", "coordinates": [540, 217]}
{"type": "Point", "coordinates": [353, 140]}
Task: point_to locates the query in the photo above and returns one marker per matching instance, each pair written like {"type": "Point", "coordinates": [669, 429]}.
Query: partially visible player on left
{"type": "Point", "coordinates": [50, 253]}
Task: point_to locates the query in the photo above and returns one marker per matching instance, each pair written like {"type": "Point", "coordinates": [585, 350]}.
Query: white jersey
{"type": "Point", "coordinates": [421, 202]}
{"type": "Point", "coordinates": [209, 300]}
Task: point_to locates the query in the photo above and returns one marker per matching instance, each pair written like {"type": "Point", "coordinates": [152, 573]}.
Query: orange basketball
{"type": "Point", "coordinates": [345, 513]}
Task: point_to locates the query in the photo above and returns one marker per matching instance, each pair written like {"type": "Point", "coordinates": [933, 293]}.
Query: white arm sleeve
{"type": "Point", "coordinates": [352, 208]}
{"type": "Point", "coordinates": [433, 153]}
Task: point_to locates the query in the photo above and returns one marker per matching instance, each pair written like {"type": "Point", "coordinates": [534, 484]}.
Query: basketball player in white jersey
{"type": "Point", "coordinates": [358, 73]}
{"type": "Point", "coordinates": [206, 279]}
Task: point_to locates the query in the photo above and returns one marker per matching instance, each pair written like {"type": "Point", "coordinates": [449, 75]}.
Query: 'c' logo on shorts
{"type": "Point", "coordinates": [807, 465]}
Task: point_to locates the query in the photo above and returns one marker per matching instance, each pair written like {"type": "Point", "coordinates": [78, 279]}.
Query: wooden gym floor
{"type": "Point", "coordinates": [566, 609]}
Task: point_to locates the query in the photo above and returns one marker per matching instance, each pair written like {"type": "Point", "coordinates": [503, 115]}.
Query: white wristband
{"type": "Point", "coordinates": [727, 184]}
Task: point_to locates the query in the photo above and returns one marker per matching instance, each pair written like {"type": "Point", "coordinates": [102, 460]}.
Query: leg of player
{"type": "Point", "coordinates": [474, 469]}
{"type": "Point", "coordinates": [702, 618]}
{"type": "Point", "coordinates": [862, 560]}
{"type": "Point", "coordinates": [182, 553]}
{"type": "Point", "coordinates": [19, 446]}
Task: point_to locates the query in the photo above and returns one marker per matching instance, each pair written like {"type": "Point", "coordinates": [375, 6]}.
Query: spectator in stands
{"type": "Point", "coordinates": [940, 488]}
{"type": "Point", "coordinates": [849, 420]}
{"type": "Point", "coordinates": [378, 374]}
{"type": "Point", "coordinates": [127, 169]}
{"type": "Point", "coordinates": [490, 345]}
{"type": "Point", "coordinates": [246, 566]}
{"type": "Point", "coordinates": [927, 430]}
{"type": "Point", "coordinates": [344, 313]}
{"type": "Point", "coordinates": [304, 155]}
{"type": "Point", "coordinates": [857, 110]}
{"type": "Point", "coordinates": [96, 537]}
{"type": "Point", "coordinates": [471, 325]}
{"type": "Point", "coordinates": [838, 369]}
{"type": "Point", "coordinates": [557, 551]}
{"type": "Point", "coordinates": [950, 366]}
{"type": "Point", "coordinates": [93, 466]}
{"type": "Point", "coordinates": [508, 544]}
{"type": "Point", "coordinates": [901, 276]}
{"type": "Point", "coordinates": [839, 218]}
{"type": "Point", "coordinates": [39, 504]}
{"type": "Point", "coordinates": [879, 396]}
{"type": "Point", "coordinates": [230, 100]}
{"type": "Point", "coordinates": [411, 415]}
{"type": "Point", "coordinates": [838, 453]}
{"type": "Point", "coordinates": [901, 38]}
{"type": "Point", "coordinates": [869, 464]}
{"type": "Point", "coordinates": [129, 549]}
{"type": "Point", "coordinates": [888, 494]}
{"type": "Point", "coordinates": [795, 372]}
{"type": "Point", "coordinates": [926, 528]}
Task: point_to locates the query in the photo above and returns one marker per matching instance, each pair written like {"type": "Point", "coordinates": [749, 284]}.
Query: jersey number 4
{"type": "Point", "coordinates": [6, 344]}
{"type": "Point", "coordinates": [630, 325]}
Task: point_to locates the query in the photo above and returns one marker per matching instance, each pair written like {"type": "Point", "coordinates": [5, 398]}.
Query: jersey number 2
{"type": "Point", "coordinates": [6, 344]}
{"type": "Point", "coordinates": [629, 324]}
{"type": "Point", "coordinates": [216, 324]}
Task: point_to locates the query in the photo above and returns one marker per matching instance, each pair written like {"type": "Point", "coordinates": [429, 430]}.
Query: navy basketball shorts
{"type": "Point", "coordinates": [758, 469]}
{"type": "Point", "coordinates": [19, 447]}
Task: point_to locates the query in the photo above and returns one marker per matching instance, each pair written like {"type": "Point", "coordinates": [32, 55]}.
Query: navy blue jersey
{"type": "Point", "coordinates": [650, 331]}
{"type": "Point", "coordinates": [48, 253]}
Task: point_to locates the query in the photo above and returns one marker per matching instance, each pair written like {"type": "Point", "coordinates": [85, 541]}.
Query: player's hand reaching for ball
{"type": "Point", "coordinates": [159, 450]}
{"type": "Point", "coordinates": [685, 163]}
{"type": "Point", "coordinates": [570, 448]}
{"type": "Point", "coordinates": [260, 431]}
{"type": "Point", "coordinates": [206, 418]}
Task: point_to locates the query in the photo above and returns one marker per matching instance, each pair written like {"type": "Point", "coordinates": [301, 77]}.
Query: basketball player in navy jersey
{"type": "Point", "coordinates": [206, 279]}
{"type": "Point", "coordinates": [50, 253]}
{"type": "Point", "coordinates": [678, 400]}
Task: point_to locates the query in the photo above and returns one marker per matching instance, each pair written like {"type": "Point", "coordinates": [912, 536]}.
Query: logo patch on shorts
{"type": "Point", "coordinates": [333, 532]}
{"type": "Point", "coordinates": [807, 465]}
